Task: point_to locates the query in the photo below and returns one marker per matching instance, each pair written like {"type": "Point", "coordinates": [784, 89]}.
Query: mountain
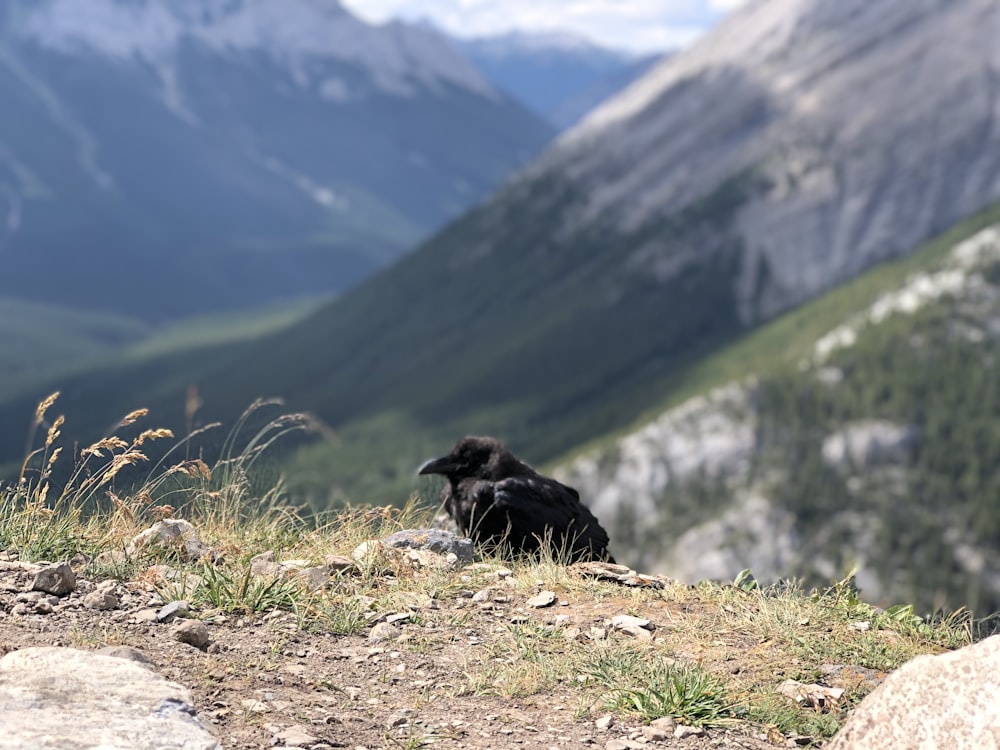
{"type": "Point", "coordinates": [859, 432]}
{"type": "Point", "coordinates": [166, 157]}
{"type": "Point", "coordinates": [558, 76]}
{"type": "Point", "coordinates": [796, 146]}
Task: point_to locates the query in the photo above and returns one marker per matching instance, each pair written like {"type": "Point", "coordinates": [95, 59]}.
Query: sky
{"type": "Point", "coordinates": [638, 25]}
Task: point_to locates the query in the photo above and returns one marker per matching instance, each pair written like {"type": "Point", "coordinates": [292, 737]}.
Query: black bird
{"type": "Point", "coordinates": [501, 502]}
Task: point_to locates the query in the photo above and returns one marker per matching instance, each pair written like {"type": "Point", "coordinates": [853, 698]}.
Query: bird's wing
{"type": "Point", "coordinates": [537, 505]}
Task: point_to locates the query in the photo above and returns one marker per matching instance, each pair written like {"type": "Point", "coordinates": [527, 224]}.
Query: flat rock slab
{"type": "Point", "coordinates": [65, 699]}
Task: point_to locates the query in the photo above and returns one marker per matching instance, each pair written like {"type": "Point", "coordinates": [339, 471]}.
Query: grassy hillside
{"type": "Point", "coordinates": [49, 344]}
{"type": "Point", "coordinates": [548, 346]}
{"type": "Point", "coordinates": [39, 341]}
{"type": "Point", "coordinates": [540, 341]}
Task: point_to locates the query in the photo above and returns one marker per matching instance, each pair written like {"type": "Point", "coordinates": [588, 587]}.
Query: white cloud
{"type": "Point", "coordinates": [640, 25]}
{"type": "Point", "coordinates": [724, 6]}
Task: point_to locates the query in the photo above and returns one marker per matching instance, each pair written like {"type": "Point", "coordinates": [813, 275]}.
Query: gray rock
{"type": "Point", "coordinates": [192, 632]}
{"type": "Point", "coordinates": [35, 603]}
{"type": "Point", "coordinates": [101, 600]}
{"type": "Point", "coordinates": [605, 722]}
{"type": "Point", "coordinates": [58, 580]}
{"type": "Point", "coordinates": [58, 698]}
{"type": "Point", "coordinates": [434, 540]}
{"type": "Point", "coordinates": [172, 610]}
{"type": "Point", "coordinates": [314, 578]}
{"type": "Point", "coordinates": [682, 731]}
{"type": "Point", "coordinates": [542, 599]}
{"type": "Point", "coordinates": [296, 736]}
{"type": "Point", "coordinates": [941, 701]}
{"type": "Point", "coordinates": [264, 565]}
{"type": "Point", "coordinates": [145, 615]}
{"type": "Point", "coordinates": [638, 627]}
{"type": "Point", "coordinates": [171, 534]}
{"type": "Point", "coordinates": [384, 631]}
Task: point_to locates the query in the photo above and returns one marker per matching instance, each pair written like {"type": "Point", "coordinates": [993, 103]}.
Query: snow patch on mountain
{"type": "Point", "coordinates": [398, 58]}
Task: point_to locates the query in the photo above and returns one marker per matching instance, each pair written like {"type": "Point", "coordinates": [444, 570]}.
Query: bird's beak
{"type": "Point", "coordinates": [444, 465]}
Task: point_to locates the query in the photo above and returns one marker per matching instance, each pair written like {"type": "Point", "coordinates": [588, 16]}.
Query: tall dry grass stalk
{"type": "Point", "coordinates": [220, 495]}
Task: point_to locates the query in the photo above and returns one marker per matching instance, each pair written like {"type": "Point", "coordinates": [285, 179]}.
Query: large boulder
{"type": "Point", "coordinates": [57, 698]}
{"type": "Point", "coordinates": [932, 702]}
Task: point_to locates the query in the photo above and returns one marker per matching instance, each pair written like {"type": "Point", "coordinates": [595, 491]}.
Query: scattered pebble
{"type": "Point", "coordinates": [682, 731]}
{"type": "Point", "coordinates": [544, 599]}
{"type": "Point", "coordinates": [57, 580]}
{"type": "Point", "coordinates": [384, 631]}
{"type": "Point", "coordinates": [605, 722]}
{"type": "Point", "coordinates": [172, 610]}
{"type": "Point", "coordinates": [192, 632]}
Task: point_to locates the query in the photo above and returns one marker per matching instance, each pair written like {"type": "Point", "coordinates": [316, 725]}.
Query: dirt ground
{"type": "Point", "coordinates": [262, 682]}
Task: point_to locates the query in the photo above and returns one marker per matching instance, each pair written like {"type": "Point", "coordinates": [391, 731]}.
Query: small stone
{"type": "Point", "coordinates": [543, 599]}
{"type": "Point", "coordinates": [265, 566]}
{"type": "Point", "coordinates": [425, 558]}
{"type": "Point", "coordinates": [314, 578]}
{"type": "Point", "coordinates": [58, 580]}
{"type": "Point", "coordinates": [297, 736]}
{"type": "Point", "coordinates": [254, 706]}
{"type": "Point", "coordinates": [172, 610]}
{"type": "Point", "coordinates": [192, 632]}
{"type": "Point", "coordinates": [666, 723]}
{"type": "Point", "coordinates": [145, 615]}
{"type": "Point", "coordinates": [655, 734]}
{"type": "Point", "coordinates": [384, 631]}
{"type": "Point", "coordinates": [861, 626]}
{"type": "Point", "coordinates": [683, 731]}
{"type": "Point", "coordinates": [171, 534]}
{"type": "Point", "coordinates": [437, 541]}
{"type": "Point", "coordinates": [482, 596]}
{"type": "Point", "coordinates": [605, 722]}
{"type": "Point", "coordinates": [623, 621]}
{"type": "Point", "coordinates": [101, 600]}
{"type": "Point", "coordinates": [637, 627]}
{"type": "Point", "coordinates": [617, 745]}
{"type": "Point", "coordinates": [399, 718]}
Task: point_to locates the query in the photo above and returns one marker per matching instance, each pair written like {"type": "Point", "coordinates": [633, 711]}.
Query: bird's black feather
{"type": "Point", "coordinates": [502, 503]}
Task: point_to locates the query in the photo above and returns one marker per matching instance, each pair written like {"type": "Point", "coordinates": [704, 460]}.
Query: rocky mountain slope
{"type": "Point", "coordinates": [165, 158]}
{"type": "Point", "coordinates": [797, 145]}
{"type": "Point", "coordinates": [558, 76]}
{"type": "Point", "coordinates": [873, 448]}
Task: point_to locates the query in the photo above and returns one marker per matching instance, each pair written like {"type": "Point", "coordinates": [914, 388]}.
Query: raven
{"type": "Point", "coordinates": [501, 502]}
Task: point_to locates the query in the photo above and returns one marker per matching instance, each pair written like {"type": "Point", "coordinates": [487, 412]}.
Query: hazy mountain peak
{"type": "Point", "coordinates": [514, 42]}
{"type": "Point", "coordinates": [291, 32]}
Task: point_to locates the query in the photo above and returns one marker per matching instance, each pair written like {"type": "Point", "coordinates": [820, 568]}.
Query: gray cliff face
{"type": "Point", "coordinates": [868, 126]}
{"type": "Point", "coordinates": [703, 490]}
